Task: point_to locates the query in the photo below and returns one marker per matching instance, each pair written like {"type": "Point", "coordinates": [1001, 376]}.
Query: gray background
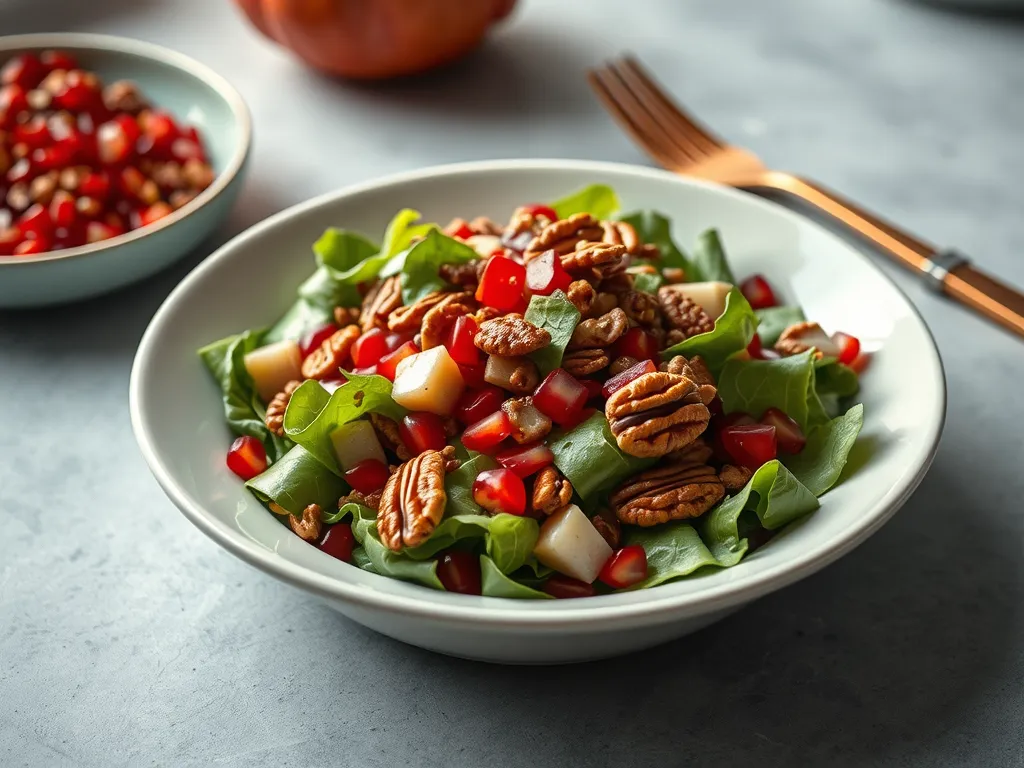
{"type": "Point", "coordinates": [128, 638]}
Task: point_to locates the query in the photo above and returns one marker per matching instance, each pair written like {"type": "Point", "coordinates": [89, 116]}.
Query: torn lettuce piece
{"type": "Point", "coordinates": [647, 283]}
{"type": "Point", "coordinates": [656, 228]}
{"type": "Point", "coordinates": [419, 264]}
{"type": "Point", "coordinates": [773, 494]}
{"type": "Point", "coordinates": [296, 481]}
{"type": "Point", "coordinates": [558, 316]}
{"type": "Point", "coordinates": [313, 414]}
{"type": "Point", "coordinates": [384, 562]}
{"type": "Point", "coordinates": [599, 200]}
{"type": "Point", "coordinates": [588, 455]}
{"type": "Point", "coordinates": [772, 321]}
{"type": "Point", "coordinates": [754, 386]}
{"type": "Point", "coordinates": [458, 485]}
{"type": "Point", "coordinates": [732, 333]}
{"type": "Point", "coordinates": [302, 317]}
{"type": "Point", "coordinates": [507, 539]}
{"type": "Point", "coordinates": [819, 465]}
{"type": "Point", "coordinates": [243, 409]}
{"type": "Point", "coordinates": [495, 583]}
{"type": "Point", "coordinates": [710, 260]}
{"type": "Point", "coordinates": [398, 236]}
{"type": "Point", "coordinates": [673, 550]}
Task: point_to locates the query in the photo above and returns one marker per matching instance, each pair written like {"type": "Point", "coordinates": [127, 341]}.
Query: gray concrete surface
{"type": "Point", "coordinates": [127, 638]}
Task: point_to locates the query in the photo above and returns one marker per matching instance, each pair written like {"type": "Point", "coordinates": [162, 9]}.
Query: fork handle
{"type": "Point", "coordinates": [946, 271]}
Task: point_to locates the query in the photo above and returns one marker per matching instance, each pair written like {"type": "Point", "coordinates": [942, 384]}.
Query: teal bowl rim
{"type": "Point", "coordinates": [224, 89]}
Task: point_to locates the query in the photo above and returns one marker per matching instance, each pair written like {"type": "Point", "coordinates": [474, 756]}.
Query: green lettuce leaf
{"type": "Point", "coordinates": [297, 480]}
{"type": "Point", "coordinates": [647, 283]}
{"type": "Point", "coordinates": [774, 320]}
{"type": "Point", "coordinates": [343, 251]}
{"type": "Point", "coordinates": [709, 258]}
{"type": "Point", "coordinates": [313, 414]}
{"type": "Point", "coordinates": [819, 465]}
{"type": "Point", "coordinates": [673, 550]}
{"type": "Point", "coordinates": [458, 485]}
{"type": "Point", "coordinates": [656, 228]}
{"type": "Point", "coordinates": [419, 264]}
{"type": "Point", "coordinates": [397, 238]}
{"type": "Point", "coordinates": [557, 315]}
{"type": "Point", "coordinates": [788, 383]}
{"type": "Point", "coordinates": [588, 455]}
{"type": "Point", "coordinates": [508, 539]}
{"type": "Point", "coordinates": [243, 409]}
{"type": "Point", "coordinates": [495, 583]}
{"type": "Point", "coordinates": [773, 494]}
{"type": "Point", "coordinates": [732, 332]}
{"type": "Point", "coordinates": [599, 200]}
{"type": "Point", "coordinates": [301, 318]}
{"type": "Point", "coordinates": [397, 565]}
{"type": "Point", "coordinates": [833, 378]}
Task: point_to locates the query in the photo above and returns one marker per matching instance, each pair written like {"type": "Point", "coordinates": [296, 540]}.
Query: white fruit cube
{"type": "Point", "coordinates": [485, 245]}
{"type": "Point", "coordinates": [273, 366]}
{"type": "Point", "coordinates": [356, 441]}
{"type": "Point", "coordinates": [570, 544]}
{"type": "Point", "coordinates": [710, 296]}
{"type": "Point", "coordinates": [428, 381]}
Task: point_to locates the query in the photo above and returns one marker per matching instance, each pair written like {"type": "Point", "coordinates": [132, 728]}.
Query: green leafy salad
{"type": "Point", "coordinates": [565, 405]}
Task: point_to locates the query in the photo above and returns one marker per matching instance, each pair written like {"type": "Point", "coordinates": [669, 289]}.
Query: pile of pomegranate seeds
{"type": "Point", "coordinates": [82, 162]}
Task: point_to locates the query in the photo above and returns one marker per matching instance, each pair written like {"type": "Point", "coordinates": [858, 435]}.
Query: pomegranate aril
{"type": "Point", "coordinates": [594, 388]}
{"type": "Point", "coordinates": [52, 60]}
{"type": "Point", "coordinates": [338, 541]}
{"type": "Point", "coordinates": [422, 431]}
{"type": "Point", "coordinates": [161, 130]}
{"type": "Point", "coordinates": [758, 352]}
{"type": "Point", "coordinates": [560, 396]}
{"type": "Point", "coordinates": [758, 292]}
{"type": "Point", "coordinates": [544, 274]}
{"type": "Point", "coordinates": [369, 348]}
{"type": "Point", "coordinates": [395, 340]}
{"type": "Point", "coordinates": [313, 340]}
{"type": "Point", "coordinates": [460, 344]}
{"type": "Point", "coordinates": [459, 571]}
{"type": "Point", "coordinates": [31, 247]}
{"type": "Point", "coordinates": [620, 380]}
{"type": "Point", "coordinates": [463, 232]}
{"type": "Point", "coordinates": [368, 476]}
{"type": "Point", "coordinates": [10, 238]}
{"type": "Point", "coordinates": [750, 445]}
{"type": "Point", "coordinates": [53, 158]}
{"type": "Point", "coordinates": [638, 344]}
{"type": "Point", "coordinates": [13, 102]}
{"type": "Point", "coordinates": [388, 365]}
{"type": "Point", "coordinates": [849, 347]}
{"type": "Point", "coordinates": [475, 404]}
{"type": "Point", "coordinates": [501, 285]}
{"type": "Point", "coordinates": [95, 231]}
{"type": "Point", "coordinates": [95, 185]}
{"type": "Point", "coordinates": [154, 213]}
{"type": "Point", "coordinates": [185, 149]}
{"type": "Point", "coordinates": [526, 460]}
{"type": "Point", "coordinates": [62, 209]}
{"type": "Point", "coordinates": [24, 70]}
{"type": "Point", "coordinates": [561, 586]}
{"type": "Point", "coordinates": [488, 432]}
{"type": "Point", "coordinates": [859, 363]}
{"type": "Point", "coordinates": [538, 209]}
{"type": "Point", "coordinates": [247, 457]}
{"type": "Point", "coordinates": [789, 437]}
{"type": "Point", "coordinates": [20, 171]}
{"type": "Point", "coordinates": [625, 568]}
{"type": "Point", "coordinates": [35, 221]}
{"type": "Point", "coordinates": [736, 419]}
{"type": "Point", "coordinates": [500, 491]}
{"type": "Point", "coordinates": [578, 418]}
{"type": "Point", "coordinates": [113, 143]}
{"type": "Point", "coordinates": [130, 181]}
{"type": "Point", "coordinates": [473, 375]}
{"type": "Point", "coordinates": [34, 133]}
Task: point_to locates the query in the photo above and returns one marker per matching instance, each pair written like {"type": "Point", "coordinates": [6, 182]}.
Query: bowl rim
{"type": "Point", "coordinates": [503, 612]}
{"type": "Point", "coordinates": [158, 53]}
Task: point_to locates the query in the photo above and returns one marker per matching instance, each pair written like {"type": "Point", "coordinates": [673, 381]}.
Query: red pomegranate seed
{"type": "Point", "coordinates": [35, 221]}
{"type": "Point", "coordinates": [62, 209]}
{"type": "Point", "coordinates": [463, 232]}
{"type": "Point", "coordinates": [338, 541]}
{"type": "Point", "coordinates": [24, 70]}
{"type": "Point", "coordinates": [247, 457]}
{"type": "Point", "coordinates": [95, 185]}
{"type": "Point", "coordinates": [10, 238]}
{"type": "Point", "coordinates": [473, 375]}
{"type": "Point", "coordinates": [80, 94]}
{"type": "Point", "coordinates": [475, 404]}
{"type": "Point", "coordinates": [625, 568]}
{"type": "Point", "coordinates": [159, 130]}
{"type": "Point", "coordinates": [388, 365]}
{"type": "Point", "coordinates": [758, 292]}
{"type": "Point", "coordinates": [737, 419]}
{"type": "Point", "coordinates": [186, 149]}
{"type": "Point", "coordinates": [21, 171]}
{"type": "Point", "coordinates": [594, 388]}
{"type": "Point", "coordinates": [395, 340]}
{"type": "Point", "coordinates": [500, 490]}
{"type": "Point", "coordinates": [526, 460]}
{"type": "Point", "coordinates": [750, 444]}
{"type": "Point", "coordinates": [638, 344]}
{"type": "Point", "coordinates": [849, 347]}
{"type": "Point", "coordinates": [12, 103]}
{"type": "Point", "coordinates": [788, 435]}
{"type": "Point", "coordinates": [537, 209]}
{"type": "Point", "coordinates": [459, 571]}
{"type": "Point", "coordinates": [422, 432]}
{"type": "Point", "coordinates": [369, 348]}
{"type": "Point", "coordinates": [757, 352]}
{"type": "Point", "coordinates": [544, 274]}
{"type": "Point", "coordinates": [35, 133]}
{"type": "Point", "coordinates": [313, 340]}
{"type": "Point", "coordinates": [561, 586]}
{"type": "Point", "coordinates": [154, 213]}
{"type": "Point", "coordinates": [460, 344]}
{"type": "Point", "coordinates": [53, 158]}
{"type": "Point", "coordinates": [620, 380]}
{"type": "Point", "coordinates": [31, 247]}
{"type": "Point", "coordinates": [130, 181]}
{"type": "Point", "coordinates": [488, 432]}
{"type": "Point", "coordinates": [501, 285]}
{"type": "Point", "coordinates": [95, 231]}
{"type": "Point", "coordinates": [860, 362]}
{"type": "Point", "coordinates": [52, 60]}
{"type": "Point", "coordinates": [560, 396]}
{"type": "Point", "coordinates": [579, 418]}
{"type": "Point", "coordinates": [368, 475]}
{"type": "Point", "coordinates": [113, 143]}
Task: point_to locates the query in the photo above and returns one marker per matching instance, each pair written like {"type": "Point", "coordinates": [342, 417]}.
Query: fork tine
{"type": "Point", "coordinates": [622, 103]}
{"type": "Point", "coordinates": [652, 94]}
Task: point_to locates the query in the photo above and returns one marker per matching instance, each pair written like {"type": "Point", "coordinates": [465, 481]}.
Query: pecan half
{"type": "Point", "coordinates": [381, 300]}
{"type": "Point", "coordinates": [641, 308]}
{"type": "Point", "coordinates": [697, 452]}
{"type": "Point", "coordinates": [621, 233]}
{"type": "Point", "coordinates": [551, 491]}
{"type": "Point", "coordinates": [371, 500]}
{"type": "Point", "coordinates": [696, 370]}
{"type": "Point", "coordinates": [608, 526]}
{"type": "Point", "coordinates": [528, 424]}
{"type": "Point", "coordinates": [484, 314]}
{"type": "Point", "coordinates": [734, 478]}
{"type": "Point", "coordinates": [616, 282]}
{"type": "Point", "coordinates": [511, 336]}
{"type": "Point", "coordinates": [563, 235]}
{"type": "Point", "coordinates": [324, 362]}
{"type": "Point", "coordinates": [671, 492]}
{"type": "Point", "coordinates": [389, 436]}
{"type": "Point", "coordinates": [602, 305]}
{"type": "Point", "coordinates": [656, 414]}
{"type": "Point", "coordinates": [308, 526]}
{"type": "Point", "coordinates": [599, 332]}
{"type": "Point", "coordinates": [347, 315]}
{"type": "Point", "coordinates": [438, 322]}
{"type": "Point", "coordinates": [464, 275]}
{"type": "Point", "coordinates": [274, 418]}
{"type": "Point", "coordinates": [413, 500]}
{"type": "Point", "coordinates": [406, 319]}
{"type": "Point", "coordinates": [581, 294]}
{"type": "Point", "coordinates": [600, 259]}
{"type": "Point", "coordinates": [799, 338]}
{"type": "Point", "coordinates": [684, 314]}
{"type": "Point", "coordinates": [583, 362]}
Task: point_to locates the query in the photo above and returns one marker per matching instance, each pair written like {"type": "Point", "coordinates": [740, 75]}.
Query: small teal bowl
{"type": "Point", "coordinates": [192, 93]}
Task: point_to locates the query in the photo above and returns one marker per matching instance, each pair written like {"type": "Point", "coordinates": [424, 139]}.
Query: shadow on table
{"type": "Point", "coordinates": [879, 654]}
{"type": "Point", "coordinates": [28, 16]}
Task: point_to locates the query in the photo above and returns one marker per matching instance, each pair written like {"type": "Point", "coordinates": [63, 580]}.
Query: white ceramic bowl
{"type": "Point", "coordinates": [176, 411]}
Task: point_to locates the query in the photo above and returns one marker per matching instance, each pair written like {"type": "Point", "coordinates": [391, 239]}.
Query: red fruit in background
{"type": "Point", "coordinates": [620, 380]}
{"type": "Point", "coordinates": [526, 460]}
{"type": "Point", "coordinates": [473, 375]}
{"type": "Point", "coordinates": [315, 339]}
{"type": "Point", "coordinates": [757, 352]}
{"type": "Point", "coordinates": [638, 344]}
{"type": "Point", "coordinates": [860, 362]}
{"type": "Point", "coordinates": [736, 419]}
{"type": "Point", "coordinates": [12, 103]}
{"type": "Point", "coordinates": [488, 432]}
{"type": "Point", "coordinates": [31, 247]}
{"type": "Point", "coordinates": [113, 143]}
{"type": "Point", "coordinates": [475, 404]}
{"type": "Point", "coordinates": [159, 131]}
{"type": "Point", "coordinates": [95, 231]}
{"type": "Point", "coordinates": [561, 586]}
{"type": "Point", "coordinates": [538, 209]}
{"type": "Point", "coordinates": [544, 274]}
{"type": "Point", "coordinates": [594, 388]}
{"type": "Point", "coordinates": [750, 445]}
{"type": "Point", "coordinates": [247, 457]}
{"type": "Point", "coordinates": [338, 541]}
{"type": "Point", "coordinates": [369, 348]}
{"type": "Point", "coordinates": [95, 185]}
{"type": "Point", "coordinates": [388, 364]}
{"type": "Point", "coordinates": [625, 568]}
{"type": "Point", "coordinates": [788, 435]}
{"type": "Point", "coordinates": [501, 285]}
{"type": "Point", "coordinates": [849, 347]}
{"type": "Point", "coordinates": [463, 232]}
{"type": "Point", "coordinates": [52, 60]}
{"type": "Point", "coordinates": [35, 133]}
{"type": "Point", "coordinates": [459, 572]}
{"type": "Point", "coordinates": [35, 221]}
{"type": "Point", "coordinates": [368, 475]}
{"type": "Point", "coordinates": [186, 149]}
{"type": "Point", "coordinates": [154, 213]}
{"type": "Point", "coordinates": [9, 240]}
{"type": "Point", "coordinates": [55, 157]}
{"type": "Point", "coordinates": [24, 70]}
{"type": "Point", "coordinates": [560, 396]}
{"type": "Point", "coordinates": [395, 340]}
{"type": "Point", "coordinates": [62, 209]}
{"type": "Point", "coordinates": [500, 490]}
{"type": "Point", "coordinates": [422, 432]}
{"type": "Point", "coordinates": [460, 344]}
{"type": "Point", "coordinates": [758, 292]}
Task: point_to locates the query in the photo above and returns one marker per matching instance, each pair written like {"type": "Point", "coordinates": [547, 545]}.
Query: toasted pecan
{"type": "Point", "coordinates": [670, 492]}
{"type": "Point", "coordinates": [413, 500]}
{"type": "Point", "coordinates": [655, 414]}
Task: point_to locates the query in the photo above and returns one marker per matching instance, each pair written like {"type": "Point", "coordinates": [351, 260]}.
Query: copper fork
{"type": "Point", "coordinates": [678, 142]}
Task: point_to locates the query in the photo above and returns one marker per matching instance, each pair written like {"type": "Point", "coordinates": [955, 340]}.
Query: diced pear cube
{"type": "Point", "coordinates": [356, 441]}
{"type": "Point", "coordinates": [273, 366]}
{"type": "Point", "coordinates": [570, 544]}
{"type": "Point", "coordinates": [710, 296]}
{"type": "Point", "coordinates": [428, 381]}
{"type": "Point", "coordinates": [485, 245]}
